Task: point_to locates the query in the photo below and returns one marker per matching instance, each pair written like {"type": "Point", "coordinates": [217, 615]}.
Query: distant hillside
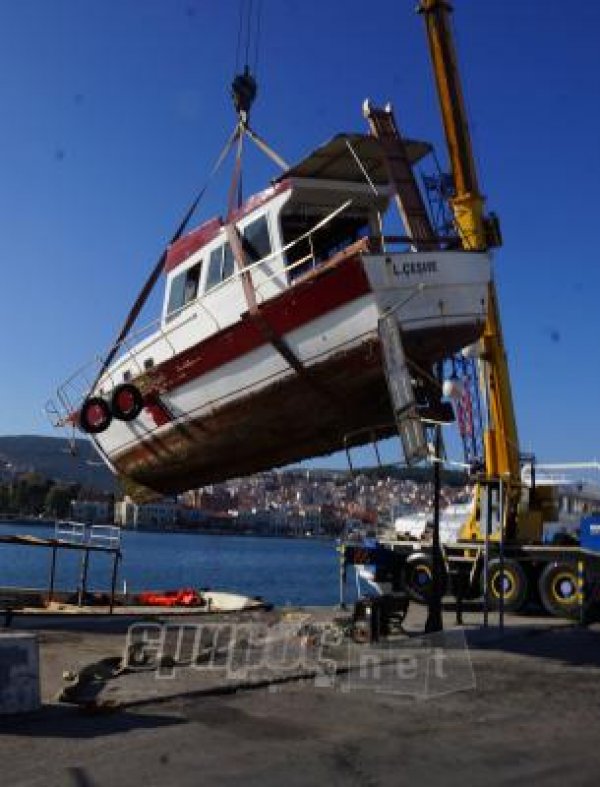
{"type": "Point", "coordinates": [419, 474]}
{"type": "Point", "coordinates": [52, 458]}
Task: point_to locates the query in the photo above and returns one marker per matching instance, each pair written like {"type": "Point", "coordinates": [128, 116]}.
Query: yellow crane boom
{"type": "Point", "coordinates": [468, 201]}
{"type": "Point", "coordinates": [477, 232]}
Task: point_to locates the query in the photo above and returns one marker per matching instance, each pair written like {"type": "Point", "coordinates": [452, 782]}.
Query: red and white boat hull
{"type": "Point", "coordinates": [227, 403]}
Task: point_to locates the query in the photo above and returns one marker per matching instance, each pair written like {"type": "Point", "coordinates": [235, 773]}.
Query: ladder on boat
{"type": "Point", "coordinates": [419, 229]}
{"type": "Point", "coordinates": [409, 199]}
{"type": "Point", "coordinates": [401, 391]}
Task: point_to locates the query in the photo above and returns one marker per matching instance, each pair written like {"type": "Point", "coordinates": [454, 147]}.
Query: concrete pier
{"type": "Point", "coordinates": [484, 709]}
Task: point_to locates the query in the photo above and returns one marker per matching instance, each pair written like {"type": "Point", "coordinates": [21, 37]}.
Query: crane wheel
{"type": "Point", "coordinates": [558, 590]}
{"type": "Point", "coordinates": [126, 402]}
{"type": "Point", "coordinates": [511, 579]}
{"type": "Point", "coordinates": [418, 578]}
{"type": "Point", "coordinates": [95, 415]}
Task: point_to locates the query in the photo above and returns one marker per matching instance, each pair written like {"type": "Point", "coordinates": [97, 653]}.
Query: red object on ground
{"type": "Point", "coordinates": [184, 597]}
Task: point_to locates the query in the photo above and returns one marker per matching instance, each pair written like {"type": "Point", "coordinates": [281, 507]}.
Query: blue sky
{"type": "Point", "coordinates": [113, 112]}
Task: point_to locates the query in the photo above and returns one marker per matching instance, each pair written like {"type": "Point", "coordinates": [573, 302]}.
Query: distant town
{"type": "Point", "coordinates": [287, 502]}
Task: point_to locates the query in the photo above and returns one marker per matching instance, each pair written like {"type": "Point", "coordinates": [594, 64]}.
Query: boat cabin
{"type": "Point", "coordinates": [331, 202]}
{"type": "Point", "coordinates": [316, 209]}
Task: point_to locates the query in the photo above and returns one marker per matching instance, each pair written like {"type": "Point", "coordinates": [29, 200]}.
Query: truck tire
{"type": "Point", "coordinates": [417, 578]}
{"type": "Point", "coordinates": [512, 578]}
{"type": "Point", "coordinates": [558, 590]}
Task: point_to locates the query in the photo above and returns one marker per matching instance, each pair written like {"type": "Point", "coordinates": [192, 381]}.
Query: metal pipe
{"type": "Point", "coordinates": [502, 514]}
{"type": "Point", "coordinates": [486, 556]}
{"type": "Point", "coordinates": [434, 617]}
{"type": "Point", "coordinates": [342, 550]}
{"type": "Point", "coordinates": [83, 579]}
{"type": "Point", "coordinates": [52, 575]}
{"type": "Point", "coordinates": [113, 584]}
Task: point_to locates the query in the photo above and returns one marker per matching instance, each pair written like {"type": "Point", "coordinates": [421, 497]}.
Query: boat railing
{"type": "Point", "coordinates": [130, 350]}
{"type": "Point", "coordinates": [275, 254]}
{"type": "Point", "coordinates": [199, 302]}
{"type": "Point", "coordinates": [78, 386]}
{"type": "Point", "coordinates": [383, 242]}
{"type": "Point", "coordinates": [280, 253]}
{"type": "Point", "coordinates": [308, 235]}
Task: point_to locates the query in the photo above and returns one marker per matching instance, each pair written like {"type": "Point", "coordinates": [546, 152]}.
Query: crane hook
{"type": "Point", "coordinates": [243, 92]}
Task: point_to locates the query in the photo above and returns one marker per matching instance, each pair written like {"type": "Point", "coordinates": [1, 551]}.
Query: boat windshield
{"type": "Point", "coordinates": [318, 246]}
{"type": "Point", "coordinates": [256, 241]}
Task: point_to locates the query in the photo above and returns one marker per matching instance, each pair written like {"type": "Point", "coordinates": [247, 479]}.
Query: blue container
{"type": "Point", "coordinates": [590, 532]}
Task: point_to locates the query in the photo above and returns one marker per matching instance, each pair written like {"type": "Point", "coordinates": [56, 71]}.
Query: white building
{"type": "Point", "coordinates": [159, 515]}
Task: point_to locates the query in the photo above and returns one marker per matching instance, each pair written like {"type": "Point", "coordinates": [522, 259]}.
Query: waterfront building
{"type": "Point", "coordinates": [92, 512]}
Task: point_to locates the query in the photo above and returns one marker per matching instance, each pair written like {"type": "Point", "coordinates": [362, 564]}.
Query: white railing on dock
{"type": "Point", "coordinates": [71, 532]}
{"type": "Point", "coordinates": [104, 536]}
{"type": "Point", "coordinates": [107, 536]}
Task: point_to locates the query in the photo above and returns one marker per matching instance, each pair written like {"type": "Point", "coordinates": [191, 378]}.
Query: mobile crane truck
{"type": "Point", "coordinates": [512, 544]}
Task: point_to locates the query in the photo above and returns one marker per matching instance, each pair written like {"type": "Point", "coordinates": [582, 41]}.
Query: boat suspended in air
{"type": "Point", "coordinates": [290, 329]}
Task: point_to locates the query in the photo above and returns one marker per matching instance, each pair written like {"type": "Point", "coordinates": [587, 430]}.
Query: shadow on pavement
{"type": "Point", "coordinates": [568, 645]}
{"type": "Point", "coordinates": [110, 625]}
{"type": "Point", "coordinates": [54, 721]}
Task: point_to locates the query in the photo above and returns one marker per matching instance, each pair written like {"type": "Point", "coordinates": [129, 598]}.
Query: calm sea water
{"type": "Point", "coordinates": [294, 571]}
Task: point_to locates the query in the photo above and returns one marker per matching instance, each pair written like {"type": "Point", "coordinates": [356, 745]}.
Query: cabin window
{"type": "Point", "coordinates": [220, 266]}
{"type": "Point", "coordinates": [318, 246]}
{"type": "Point", "coordinates": [215, 264]}
{"type": "Point", "coordinates": [228, 262]}
{"type": "Point", "coordinates": [257, 244]}
{"type": "Point", "coordinates": [184, 288]}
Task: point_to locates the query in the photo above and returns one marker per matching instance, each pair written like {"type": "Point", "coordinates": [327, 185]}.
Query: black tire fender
{"type": "Point", "coordinates": [126, 402]}
{"type": "Point", "coordinates": [95, 415]}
